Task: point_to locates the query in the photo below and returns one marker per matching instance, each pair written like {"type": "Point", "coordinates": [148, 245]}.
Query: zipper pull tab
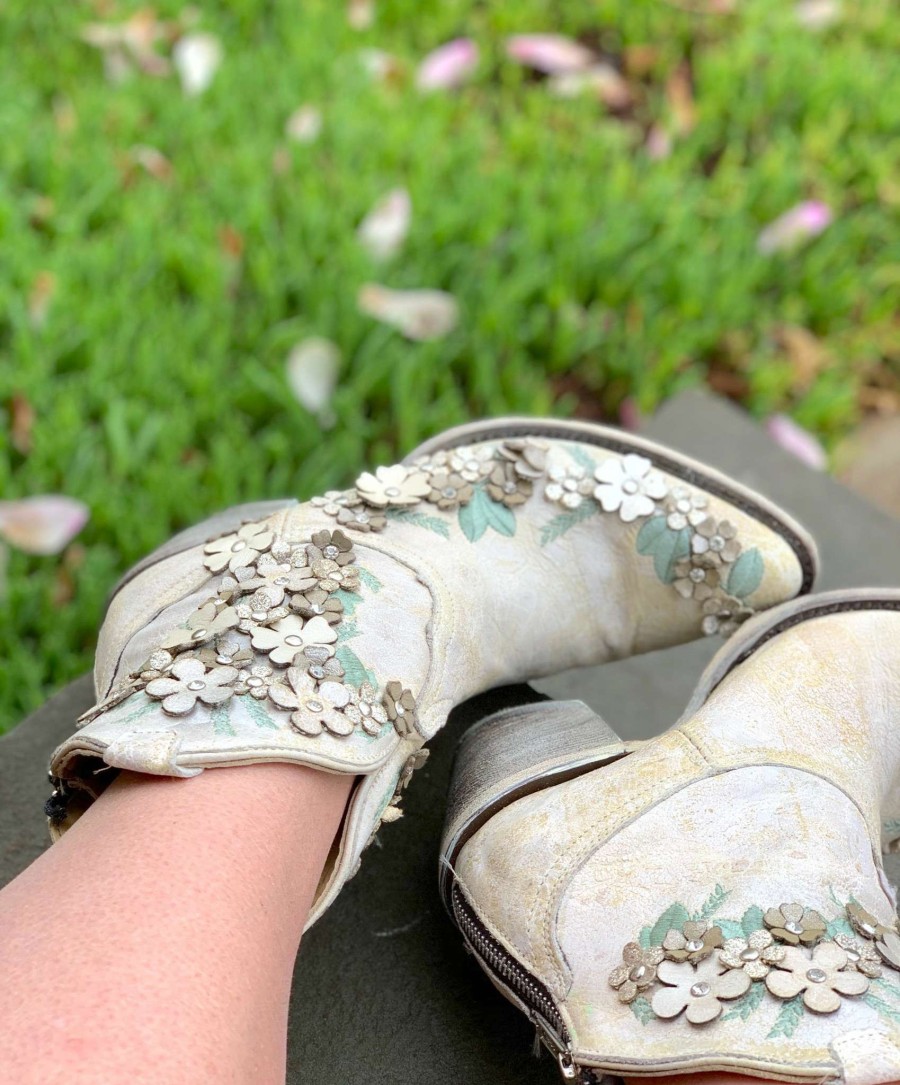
{"type": "Point", "coordinates": [567, 1066]}
{"type": "Point", "coordinates": [537, 1047]}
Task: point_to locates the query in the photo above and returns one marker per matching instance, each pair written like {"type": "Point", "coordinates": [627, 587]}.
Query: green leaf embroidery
{"type": "Point", "coordinates": [840, 926]}
{"type": "Point", "coordinates": [354, 671]}
{"type": "Point", "coordinates": [642, 1010]}
{"type": "Point", "coordinates": [746, 574]}
{"type": "Point", "coordinates": [141, 710]}
{"type": "Point", "coordinates": [676, 915]}
{"type": "Point", "coordinates": [881, 1006]}
{"type": "Point", "coordinates": [788, 1019]}
{"type": "Point", "coordinates": [258, 714]}
{"type": "Point", "coordinates": [220, 721]}
{"type": "Point", "coordinates": [713, 902]}
{"type": "Point", "coordinates": [891, 827]}
{"type": "Point", "coordinates": [473, 517]}
{"type": "Point", "coordinates": [745, 1005]}
{"type": "Point", "coordinates": [421, 519]}
{"type": "Point", "coordinates": [582, 457]}
{"type": "Point", "coordinates": [565, 521]}
{"type": "Point", "coordinates": [350, 600]}
{"type": "Point", "coordinates": [481, 513]}
{"type": "Point", "coordinates": [668, 547]}
{"type": "Point", "coordinates": [347, 631]}
{"type": "Point", "coordinates": [369, 579]}
{"type": "Point", "coordinates": [644, 937]}
{"type": "Point", "coordinates": [729, 928]}
{"type": "Point", "coordinates": [753, 920]}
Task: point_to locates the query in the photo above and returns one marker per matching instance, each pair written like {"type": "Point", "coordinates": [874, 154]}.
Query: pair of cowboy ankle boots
{"type": "Point", "coordinates": [711, 899]}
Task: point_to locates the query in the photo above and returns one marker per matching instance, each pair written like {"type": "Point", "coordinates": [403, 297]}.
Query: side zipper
{"type": "Point", "coordinates": [527, 989]}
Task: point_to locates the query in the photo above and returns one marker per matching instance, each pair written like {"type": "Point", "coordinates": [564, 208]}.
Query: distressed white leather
{"type": "Point", "coordinates": [771, 791]}
{"type": "Point", "coordinates": [450, 618]}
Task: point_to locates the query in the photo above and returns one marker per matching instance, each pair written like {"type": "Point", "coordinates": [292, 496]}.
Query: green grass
{"type": "Point", "coordinates": [584, 270]}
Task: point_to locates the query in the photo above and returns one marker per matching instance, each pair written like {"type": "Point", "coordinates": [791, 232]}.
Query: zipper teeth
{"type": "Point", "coordinates": [505, 967]}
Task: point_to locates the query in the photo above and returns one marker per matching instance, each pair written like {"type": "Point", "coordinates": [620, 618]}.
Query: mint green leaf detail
{"type": "Point", "coordinates": [840, 926]}
{"type": "Point", "coordinates": [730, 928]}
{"type": "Point", "coordinates": [369, 579]}
{"type": "Point", "coordinates": [891, 827]}
{"type": "Point", "coordinates": [676, 915]}
{"type": "Point", "coordinates": [644, 937]}
{"type": "Point", "coordinates": [878, 1004]}
{"type": "Point", "coordinates": [752, 920]}
{"type": "Point", "coordinates": [501, 518]}
{"type": "Point", "coordinates": [565, 521]}
{"type": "Point", "coordinates": [746, 1004]}
{"type": "Point", "coordinates": [141, 710]}
{"type": "Point", "coordinates": [350, 601]}
{"type": "Point", "coordinates": [582, 457]}
{"type": "Point", "coordinates": [713, 902]}
{"type": "Point", "coordinates": [258, 714]}
{"type": "Point", "coordinates": [650, 532]}
{"type": "Point", "coordinates": [347, 631]}
{"type": "Point", "coordinates": [354, 671]}
{"type": "Point", "coordinates": [788, 1019]}
{"type": "Point", "coordinates": [746, 574]}
{"type": "Point", "coordinates": [642, 1010]}
{"type": "Point", "coordinates": [668, 547]}
{"type": "Point", "coordinates": [473, 518]}
{"type": "Point", "coordinates": [421, 519]}
{"type": "Point", "coordinates": [220, 721]}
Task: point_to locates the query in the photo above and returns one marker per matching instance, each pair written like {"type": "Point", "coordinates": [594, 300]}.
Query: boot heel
{"type": "Point", "coordinates": [513, 753]}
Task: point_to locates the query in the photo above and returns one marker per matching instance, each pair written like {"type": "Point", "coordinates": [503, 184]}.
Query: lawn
{"type": "Point", "coordinates": [162, 253]}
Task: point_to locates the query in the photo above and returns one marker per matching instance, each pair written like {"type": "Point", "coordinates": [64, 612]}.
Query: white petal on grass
{"type": "Point", "coordinates": [818, 14]}
{"type": "Point", "coordinates": [304, 125]}
{"type": "Point", "coordinates": [312, 372]}
{"type": "Point", "coordinates": [601, 80]}
{"type": "Point", "coordinates": [805, 220]}
{"type": "Point", "coordinates": [384, 229]}
{"type": "Point", "coordinates": [798, 441]}
{"type": "Point", "coordinates": [197, 56]}
{"type": "Point", "coordinates": [449, 66]}
{"type": "Point", "coordinates": [360, 14]}
{"type": "Point", "coordinates": [381, 66]}
{"type": "Point", "coordinates": [42, 525]}
{"type": "Point", "coordinates": [418, 314]}
{"type": "Point", "coordinates": [551, 54]}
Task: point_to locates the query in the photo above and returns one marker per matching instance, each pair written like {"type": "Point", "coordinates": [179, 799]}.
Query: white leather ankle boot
{"type": "Point", "coordinates": [715, 900]}
{"type": "Point", "coordinates": [339, 632]}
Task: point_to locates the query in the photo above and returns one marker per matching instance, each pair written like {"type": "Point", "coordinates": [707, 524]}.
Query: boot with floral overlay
{"type": "Point", "coordinates": [340, 632]}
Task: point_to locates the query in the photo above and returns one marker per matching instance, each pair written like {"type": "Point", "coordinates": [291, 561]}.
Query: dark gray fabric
{"type": "Point", "coordinates": [383, 993]}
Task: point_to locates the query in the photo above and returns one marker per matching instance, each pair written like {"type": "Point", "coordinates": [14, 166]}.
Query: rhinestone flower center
{"type": "Point", "coordinates": [700, 990]}
{"type": "Point", "coordinates": [816, 975]}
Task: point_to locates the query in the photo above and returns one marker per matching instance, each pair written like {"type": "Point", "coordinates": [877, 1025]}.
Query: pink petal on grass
{"type": "Point", "coordinates": [304, 125]}
{"type": "Point", "coordinates": [42, 525]}
{"type": "Point", "coordinates": [551, 54]}
{"type": "Point", "coordinates": [658, 144]}
{"type": "Point", "coordinates": [418, 314]}
{"type": "Point", "coordinates": [798, 441]}
{"type": "Point", "coordinates": [384, 229]}
{"type": "Point", "coordinates": [601, 80]}
{"type": "Point", "coordinates": [817, 14]}
{"type": "Point", "coordinates": [806, 220]}
{"type": "Point", "coordinates": [197, 56]}
{"type": "Point", "coordinates": [312, 372]}
{"type": "Point", "coordinates": [449, 66]}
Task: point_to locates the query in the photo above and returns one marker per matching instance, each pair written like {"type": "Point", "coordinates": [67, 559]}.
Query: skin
{"type": "Point", "coordinates": [201, 925]}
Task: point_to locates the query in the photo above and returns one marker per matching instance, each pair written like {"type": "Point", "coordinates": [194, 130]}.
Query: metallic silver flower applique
{"type": "Point", "coordinates": [821, 977]}
{"type": "Point", "coordinates": [206, 623]}
{"type": "Point", "coordinates": [696, 939]}
{"type": "Point", "coordinates": [629, 486]}
{"type": "Point", "coordinates": [638, 971]}
{"type": "Point", "coordinates": [794, 924]}
{"type": "Point", "coordinates": [400, 706]}
{"type": "Point", "coordinates": [282, 641]}
{"type": "Point", "coordinates": [239, 549]}
{"type": "Point", "coordinates": [188, 682]}
{"type": "Point", "coordinates": [397, 485]}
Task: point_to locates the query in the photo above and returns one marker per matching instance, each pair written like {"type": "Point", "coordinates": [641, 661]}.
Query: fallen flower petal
{"type": "Point", "coordinates": [41, 295]}
{"type": "Point", "coordinates": [312, 371]}
{"type": "Point", "coordinates": [381, 66]}
{"type": "Point", "coordinates": [658, 144]}
{"type": "Point", "coordinates": [798, 441]}
{"type": "Point", "coordinates": [601, 80]}
{"type": "Point", "coordinates": [360, 14]}
{"type": "Point", "coordinates": [418, 314]}
{"type": "Point", "coordinates": [196, 57]}
{"type": "Point", "coordinates": [384, 229]}
{"type": "Point", "coordinates": [153, 161]}
{"type": "Point", "coordinates": [818, 14]}
{"type": "Point", "coordinates": [551, 54]}
{"type": "Point", "coordinates": [304, 125]}
{"type": "Point", "coordinates": [42, 525]}
{"type": "Point", "coordinates": [806, 220]}
{"type": "Point", "coordinates": [448, 66]}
